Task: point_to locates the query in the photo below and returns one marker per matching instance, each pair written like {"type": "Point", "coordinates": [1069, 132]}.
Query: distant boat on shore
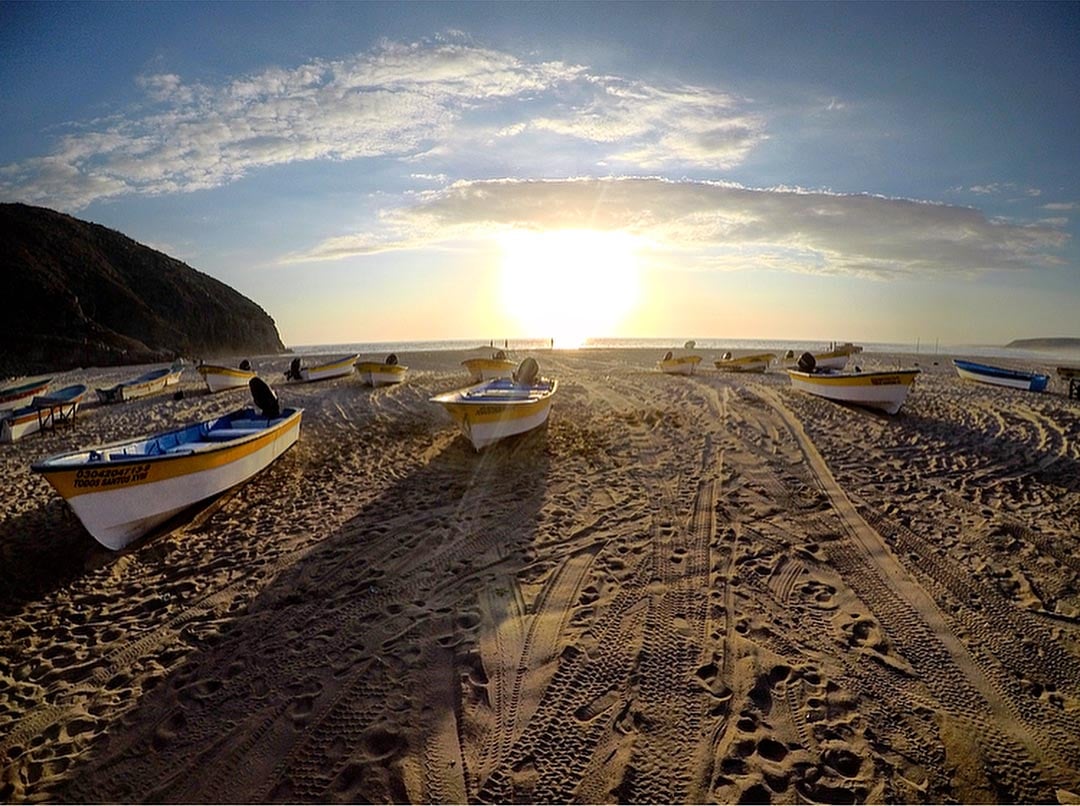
{"type": "Point", "coordinates": [338, 368]}
{"type": "Point", "coordinates": [1001, 376]}
{"type": "Point", "coordinates": [20, 391]}
{"type": "Point", "coordinates": [759, 362]}
{"type": "Point", "coordinates": [382, 373]}
{"type": "Point", "coordinates": [42, 413]}
{"type": "Point", "coordinates": [681, 365]}
{"type": "Point", "coordinates": [836, 357]}
{"type": "Point", "coordinates": [149, 383]}
{"type": "Point", "coordinates": [487, 369]}
{"type": "Point", "coordinates": [219, 378]}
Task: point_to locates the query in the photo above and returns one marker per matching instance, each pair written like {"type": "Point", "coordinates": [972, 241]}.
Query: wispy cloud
{"type": "Point", "coordinates": [717, 225]}
{"type": "Point", "coordinates": [420, 102]}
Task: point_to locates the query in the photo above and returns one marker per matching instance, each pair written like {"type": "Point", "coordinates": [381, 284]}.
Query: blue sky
{"type": "Point", "coordinates": [392, 171]}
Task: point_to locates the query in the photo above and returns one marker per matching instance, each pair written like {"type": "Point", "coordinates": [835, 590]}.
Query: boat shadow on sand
{"type": "Point", "coordinates": [376, 624]}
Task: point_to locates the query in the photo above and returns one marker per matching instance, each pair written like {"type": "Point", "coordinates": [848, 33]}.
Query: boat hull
{"type": "Point", "coordinates": [374, 373]}
{"type": "Point", "coordinates": [333, 369]}
{"type": "Point", "coordinates": [746, 363]}
{"type": "Point", "coordinates": [886, 391]}
{"type": "Point", "coordinates": [485, 419]}
{"type": "Point", "coordinates": [150, 384]}
{"type": "Point", "coordinates": [684, 365]}
{"type": "Point", "coordinates": [999, 376]}
{"type": "Point", "coordinates": [218, 378]}
{"type": "Point", "coordinates": [42, 413]}
{"type": "Point", "coordinates": [489, 369]}
{"type": "Point", "coordinates": [122, 496]}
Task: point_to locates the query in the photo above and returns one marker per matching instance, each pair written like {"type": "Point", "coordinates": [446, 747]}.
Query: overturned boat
{"type": "Point", "coordinates": [122, 490]}
{"type": "Point", "coordinates": [492, 410]}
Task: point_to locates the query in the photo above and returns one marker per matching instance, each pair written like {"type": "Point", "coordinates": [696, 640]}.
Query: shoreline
{"type": "Point", "coordinates": [683, 589]}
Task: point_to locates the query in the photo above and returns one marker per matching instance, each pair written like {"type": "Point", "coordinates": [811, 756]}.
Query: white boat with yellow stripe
{"type": "Point", "coordinates": [18, 392]}
{"type": "Point", "coordinates": [758, 362]}
{"type": "Point", "coordinates": [837, 356]}
{"type": "Point", "coordinates": [502, 407]}
{"type": "Point", "coordinates": [336, 368]}
{"type": "Point", "coordinates": [886, 390]}
{"type": "Point", "coordinates": [219, 378]}
{"type": "Point", "coordinates": [488, 369]}
{"type": "Point", "coordinates": [123, 490]}
{"type": "Point", "coordinates": [149, 383]}
{"type": "Point", "coordinates": [43, 412]}
{"type": "Point", "coordinates": [679, 365]}
{"type": "Point", "coordinates": [382, 373]}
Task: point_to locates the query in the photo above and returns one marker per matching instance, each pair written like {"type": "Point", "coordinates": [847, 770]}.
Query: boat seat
{"type": "Point", "coordinates": [226, 434]}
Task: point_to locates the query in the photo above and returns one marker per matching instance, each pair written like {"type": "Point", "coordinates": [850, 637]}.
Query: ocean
{"type": "Point", "coordinates": [662, 345]}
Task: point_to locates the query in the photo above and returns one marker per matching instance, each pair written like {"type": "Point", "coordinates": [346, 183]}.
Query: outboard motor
{"type": "Point", "coordinates": [725, 357]}
{"type": "Point", "coordinates": [789, 354]}
{"type": "Point", "coordinates": [391, 360]}
{"type": "Point", "coordinates": [667, 355]}
{"type": "Point", "coordinates": [245, 365]}
{"type": "Point", "coordinates": [527, 372]}
{"type": "Point", "coordinates": [265, 398]}
{"type": "Point", "coordinates": [293, 373]}
{"type": "Point", "coordinates": [807, 362]}
{"type": "Point", "coordinates": [499, 355]}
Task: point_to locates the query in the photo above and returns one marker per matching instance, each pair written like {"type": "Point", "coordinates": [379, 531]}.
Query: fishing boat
{"type": "Point", "coordinates": [17, 392]}
{"type": "Point", "coordinates": [1000, 376]}
{"type": "Point", "coordinates": [175, 372]}
{"type": "Point", "coordinates": [681, 365]}
{"type": "Point", "coordinates": [338, 368]}
{"type": "Point", "coordinates": [149, 383]}
{"type": "Point", "coordinates": [837, 357]}
{"type": "Point", "coordinates": [123, 490]}
{"type": "Point", "coordinates": [877, 390]}
{"type": "Point", "coordinates": [759, 362]}
{"type": "Point", "coordinates": [43, 412]}
{"type": "Point", "coordinates": [381, 373]}
{"type": "Point", "coordinates": [1072, 375]}
{"type": "Point", "coordinates": [487, 369]}
{"type": "Point", "coordinates": [219, 378]}
{"type": "Point", "coordinates": [502, 407]}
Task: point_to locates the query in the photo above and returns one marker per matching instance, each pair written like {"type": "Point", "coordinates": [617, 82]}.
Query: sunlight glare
{"type": "Point", "coordinates": [569, 285]}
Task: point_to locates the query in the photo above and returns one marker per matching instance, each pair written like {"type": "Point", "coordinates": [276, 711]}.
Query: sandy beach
{"type": "Point", "coordinates": [682, 590]}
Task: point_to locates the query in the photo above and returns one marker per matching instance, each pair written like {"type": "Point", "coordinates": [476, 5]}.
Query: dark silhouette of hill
{"type": "Point", "coordinates": [79, 294]}
{"type": "Point", "coordinates": [1057, 343]}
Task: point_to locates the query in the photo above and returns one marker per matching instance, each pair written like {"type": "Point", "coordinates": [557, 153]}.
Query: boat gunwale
{"type": "Point", "coordinates": [991, 371]}
{"type": "Point", "coordinates": [48, 465]}
{"type": "Point", "coordinates": [457, 396]}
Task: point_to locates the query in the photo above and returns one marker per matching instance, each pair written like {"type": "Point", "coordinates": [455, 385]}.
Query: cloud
{"type": "Point", "coordinates": [714, 225]}
{"type": "Point", "coordinates": [424, 102]}
{"type": "Point", "coordinates": [1060, 206]}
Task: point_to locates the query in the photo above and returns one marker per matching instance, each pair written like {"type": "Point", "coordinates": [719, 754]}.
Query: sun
{"type": "Point", "coordinates": [569, 285]}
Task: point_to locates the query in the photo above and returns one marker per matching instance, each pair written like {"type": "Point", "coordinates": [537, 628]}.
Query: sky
{"type": "Point", "coordinates": [369, 172]}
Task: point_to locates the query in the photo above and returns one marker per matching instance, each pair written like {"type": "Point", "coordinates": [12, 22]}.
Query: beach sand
{"type": "Point", "coordinates": [702, 589]}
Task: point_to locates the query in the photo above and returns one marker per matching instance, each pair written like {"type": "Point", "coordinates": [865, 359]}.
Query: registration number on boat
{"type": "Point", "coordinates": [110, 476]}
